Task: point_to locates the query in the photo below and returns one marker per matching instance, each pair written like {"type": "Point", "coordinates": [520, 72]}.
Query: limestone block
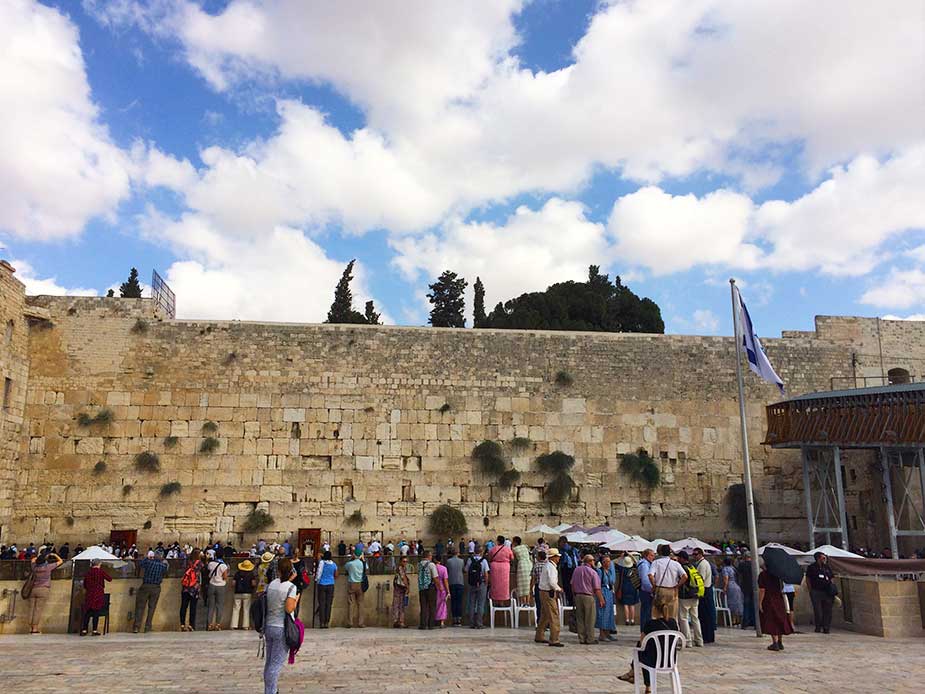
{"type": "Point", "coordinates": [574, 405]}
{"type": "Point", "coordinates": [92, 445]}
{"type": "Point", "coordinates": [365, 462]}
{"type": "Point", "coordinates": [275, 493]}
{"type": "Point", "coordinates": [520, 404]}
{"type": "Point", "coordinates": [294, 414]}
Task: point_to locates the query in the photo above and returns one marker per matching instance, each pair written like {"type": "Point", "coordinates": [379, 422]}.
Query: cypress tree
{"type": "Point", "coordinates": [130, 289]}
{"type": "Point", "coordinates": [478, 304]}
{"type": "Point", "coordinates": [341, 310]}
{"type": "Point", "coordinates": [371, 316]}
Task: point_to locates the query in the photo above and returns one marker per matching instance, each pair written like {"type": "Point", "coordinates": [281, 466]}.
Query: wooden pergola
{"type": "Point", "coordinates": [889, 419]}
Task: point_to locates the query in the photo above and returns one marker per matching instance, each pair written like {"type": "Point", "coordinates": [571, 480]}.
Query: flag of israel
{"type": "Point", "coordinates": [754, 352]}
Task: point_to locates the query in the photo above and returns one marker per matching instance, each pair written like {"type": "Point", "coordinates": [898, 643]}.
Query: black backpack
{"type": "Point", "coordinates": [259, 612]}
{"type": "Point", "coordinates": [475, 577]}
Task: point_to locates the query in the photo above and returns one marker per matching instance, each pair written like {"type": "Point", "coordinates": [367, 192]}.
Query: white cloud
{"type": "Point", "coordinates": [913, 316]}
{"type": "Point", "coordinates": [705, 320]}
{"type": "Point", "coordinates": [36, 286]}
{"type": "Point", "coordinates": [901, 289]}
{"type": "Point", "coordinates": [283, 276]}
{"type": "Point", "coordinates": [58, 165]}
{"type": "Point", "coordinates": [155, 168]}
{"type": "Point", "coordinates": [528, 252]}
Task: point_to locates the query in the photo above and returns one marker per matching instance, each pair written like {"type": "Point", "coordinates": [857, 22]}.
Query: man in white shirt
{"type": "Point", "coordinates": [667, 576]}
{"type": "Point", "coordinates": [549, 600]}
{"type": "Point", "coordinates": [375, 547]}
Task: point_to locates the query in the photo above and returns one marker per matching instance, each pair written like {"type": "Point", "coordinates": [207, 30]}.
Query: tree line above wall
{"type": "Point", "coordinates": [595, 305]}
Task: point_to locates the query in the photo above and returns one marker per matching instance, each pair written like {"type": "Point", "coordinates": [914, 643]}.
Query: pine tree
{"type": "Point", "coordinates": [130, 289]}
{"type": "Point", "coordinates": [371, 316]}
{"type": "Point", "coordinates": [448, 301]}
{"type": "Point", "coordinates": [342, 309]}
{"type": "Point", "coordinates": [478, 305]}
{"type": "Point", "coordinates": [110, 294]}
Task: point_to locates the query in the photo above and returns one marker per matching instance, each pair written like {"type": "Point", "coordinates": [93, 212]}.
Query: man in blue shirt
{"type": "Point", "coordinates": [153, 571]}
{"type": "Point", "coordinates": [355, 570]}
{"type": "Point", "coordinates": [644, 567]}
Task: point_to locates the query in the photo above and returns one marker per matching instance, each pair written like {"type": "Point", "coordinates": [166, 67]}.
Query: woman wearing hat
{"type": "Point", "coordinates": [244, 583]}
{"type": "Point", "coordinates": [626, 588]}
{"type": "Point", "coordinates": [265, 571]}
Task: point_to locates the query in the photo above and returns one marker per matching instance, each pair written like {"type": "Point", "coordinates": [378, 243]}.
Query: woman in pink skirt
{"type": "Point", "coordinates": [443, 591]}
{"type": "Point", "coordinates": [499, 559]}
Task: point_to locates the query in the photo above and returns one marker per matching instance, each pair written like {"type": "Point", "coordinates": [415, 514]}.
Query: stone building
{"type": "Point", "coordinates": [315, 422]}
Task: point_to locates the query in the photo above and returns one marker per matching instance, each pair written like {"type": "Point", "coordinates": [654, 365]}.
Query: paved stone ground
{"type": "Point", "coordinates": [449, 660]}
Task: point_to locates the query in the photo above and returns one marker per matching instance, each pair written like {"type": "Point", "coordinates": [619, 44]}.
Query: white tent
{"type": "Point", "coordinates": [607, 537]}
{"type": "Point", "coordinates": [659, 541]}
{"type": "Point", "coordinates": [562, 526]}
{"type": "Point", "coordinates": [578, 536]}
{"type": "Point", "coordinates": [833, 551]}
{"type": "Point", "coordinates": [634, 543]}
{"type": "Point", "coordinates": [543, 529]}
{"type": "Point", "coordinates": [692, 543]}
{"type": "Point", "coordinates": [95, 552]}
{"type": "Point", "coordinates": [789, 550]}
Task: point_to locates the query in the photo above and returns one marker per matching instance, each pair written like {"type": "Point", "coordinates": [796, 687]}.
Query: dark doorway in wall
{"type": "Point", "coordinates": [897, 376]}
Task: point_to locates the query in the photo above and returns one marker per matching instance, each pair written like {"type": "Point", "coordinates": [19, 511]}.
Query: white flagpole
{"type": "Point", "coordinates": [749, 494]}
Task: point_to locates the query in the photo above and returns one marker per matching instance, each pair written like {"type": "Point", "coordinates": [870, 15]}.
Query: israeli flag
{"type": "Point", "coordinates": [754, 352]}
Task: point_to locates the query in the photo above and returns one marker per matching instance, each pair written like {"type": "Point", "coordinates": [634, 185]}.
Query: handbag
{"type": "Point", "coordinates": [291, 633]}
{"type": "Point", "coordinates": [365, 581]}
{"type": "Point", "coordinates": [26, 591]}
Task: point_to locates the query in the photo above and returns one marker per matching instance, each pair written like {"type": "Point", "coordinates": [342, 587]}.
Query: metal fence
{"type": "Point", "coordinates": [164, 298]}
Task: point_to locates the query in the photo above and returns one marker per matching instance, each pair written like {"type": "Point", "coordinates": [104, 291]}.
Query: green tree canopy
{"type": "Point", "coordinates": [446, 296]}
{"type": "Point", "coordinates": [341, 310]}
{"type": "Point", "coordinates": [131, 289]}
{"type": "Point", "coordinates": [371, 316]}
{"type": "Point", "coordinates": [595, 305]}
{"type": "Point", "coordinates": [478, 305]}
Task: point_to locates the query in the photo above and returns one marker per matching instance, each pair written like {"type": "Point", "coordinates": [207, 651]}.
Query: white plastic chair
{"type": "Point", "coordinates": [563, 608]}
{"type": "Point", "coordinates": [509, 610]}
{"type": "Point", "coordinates": [522, 607]}
{"type": "Point", "coordinates": [667, 646]}
{"type": "Point", "coordinates": [722, 607]}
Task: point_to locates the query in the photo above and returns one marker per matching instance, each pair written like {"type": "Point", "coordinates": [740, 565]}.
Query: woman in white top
{"type": "Point", "coordinates": [282, 599]}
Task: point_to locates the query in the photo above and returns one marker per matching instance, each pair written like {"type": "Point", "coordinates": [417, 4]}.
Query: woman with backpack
{"type": "Point", "coordinates": [282, 599]}
{"type": "Point", "coordinates": [189, 591]}
{"type": "Point", "coordinates": [477, 573]}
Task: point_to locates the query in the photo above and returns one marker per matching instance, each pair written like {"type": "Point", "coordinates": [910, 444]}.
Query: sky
{"type": "Point", "coordinates": [248, 149]}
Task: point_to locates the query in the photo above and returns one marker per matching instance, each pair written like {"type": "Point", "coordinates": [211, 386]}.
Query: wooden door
{"type": "Point", "coordinates": [119, 537]}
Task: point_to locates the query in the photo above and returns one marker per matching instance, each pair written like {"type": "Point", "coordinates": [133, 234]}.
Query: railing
{"type": "Point", "coordinates": [851, 382]}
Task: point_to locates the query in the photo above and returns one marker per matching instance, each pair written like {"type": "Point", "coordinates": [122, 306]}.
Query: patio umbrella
{"type": "Point", "coordinates": [543, 529]}
{"type": "Point", "coordinates": [833, 551]}
{"type": "Point", "coordinates": [95, 552]}
{"type": "Point", "coordinates": [634, 543]}
{"type": "Point", "coordinates": [574, 529]}
{"type": "Point", "coordinates": [577, 536]}
{"type": "Point", "coordinates": [789, 550]}
{"type": "Point", "coordinates": [659, 541]}
{"type": "Point", "coordinates": [562, 526]}
{"type": "Point", "coordinates": [782, 565]}
{"type": "Point", "coordinates": [693, 543]}
{"type": "Point", "coordinates": [608, 536]}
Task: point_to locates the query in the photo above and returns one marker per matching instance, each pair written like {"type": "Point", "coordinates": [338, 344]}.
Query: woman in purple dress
{"type": "Point", "coordinates": [443, 591]}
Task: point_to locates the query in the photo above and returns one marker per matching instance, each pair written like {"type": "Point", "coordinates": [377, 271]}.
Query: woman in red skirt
{"type": "Point", "coordinates": [774, 619]}
{"type": "Point", "coordinates": [94, 596]}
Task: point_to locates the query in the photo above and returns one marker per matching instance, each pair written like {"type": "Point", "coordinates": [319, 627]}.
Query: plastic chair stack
{"type": "Point", "coordinates": [722, 607]}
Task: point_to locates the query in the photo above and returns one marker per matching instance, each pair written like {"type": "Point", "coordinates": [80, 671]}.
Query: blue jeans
{"type": "Point", "coordinates": [645, 608]}
{"type": "Point", "coordinates": [277, 652]}
{"type": "Point", "coordinates": [456, 602]}
{"type": "Point", "coordinates": [477, 595]}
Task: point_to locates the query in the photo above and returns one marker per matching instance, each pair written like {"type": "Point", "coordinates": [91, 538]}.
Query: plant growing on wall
{"type": "Point", "coordinates": [209, 445]}
{"type": "Point", "coordinates": [446, 521]}
{"type": "Point", "coordinates": [521, 443]}
{"type": "Point", "coordinates": [488, 455]}
{"type": "Point", "coordinates": [171, 442]}
{"type": "Point", "coordinates": [126, 489]}
{"type": "Point", "coordinates": [355, 519]}
{"type": "Point", "coordinates": [100, 467]}
{"type": "Point", "coordinates": [445, 407]}
{"type": "Point", "coordinates": [103, 417]}
{"type": "Point", "coordinates": [564, 379]}
{"type": "Point", "coordinates": [147, 462]}
{"type": "Point", "coordinates": [508, 479]}
{"type": "Point", "coordinates": [209, 427]}
{"type": "Point", "coordinates": [556, 467]}
{"type": "Point", "coordinates": [641, 468]}
{"type": "Point", "coordinates": [257, 520]}
{"type": "Point", "coordinates": [737, 507]}
{"type": "Point", "coordinates": [171, 488]}
{"type": "Point", "coordinates": [69, 520]}
{"type": "Point", "coordinates": [140, 327]}
{"type": "Point", "coordinates": [147, 525]}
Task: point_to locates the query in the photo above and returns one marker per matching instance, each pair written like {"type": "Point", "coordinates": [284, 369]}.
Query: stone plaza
{"type": "Point", "coordinates": [453, 660]}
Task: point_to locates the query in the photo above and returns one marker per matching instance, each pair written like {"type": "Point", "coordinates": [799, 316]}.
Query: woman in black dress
{"type": "Point", "coordinates": [662, 620]}
{"type": "Point", "coordinates": [772, 605]}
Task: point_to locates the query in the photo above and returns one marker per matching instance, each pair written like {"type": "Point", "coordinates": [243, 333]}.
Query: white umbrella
{"type": "Point", "coordinates": [776, 545]}
{"type": "Point", "coordinates": [692, 543]}
{"type": "Point", "coordinates": [95, 552]}
{"type": "Point", "coordinates": [833, 551]}
{"type": "Point", "coordinates": [607, 536]}
{"type": "Point", "coordinates": [577, 536]}
{"type": "Point", "coordinates": [543, 529]}
{"type": "Point", "coordinates": [659, 541]}
{"type": "Point", "coordinates": [562, 526]}
{"type": "Point", "coordinates": [634, 543]}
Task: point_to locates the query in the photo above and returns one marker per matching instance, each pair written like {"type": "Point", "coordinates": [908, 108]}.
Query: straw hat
{"type": "Point", "coordinates": [627, 562]}
{"type": "Point", "coordinates": [245, 566]}
{"type": "Point", "coordinates": [552, 552]}
{"type": "Point", "coordinates": [266, 557]}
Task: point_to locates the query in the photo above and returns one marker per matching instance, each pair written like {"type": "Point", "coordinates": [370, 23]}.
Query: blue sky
{"type": "Point", "coordinates": [248, 150]}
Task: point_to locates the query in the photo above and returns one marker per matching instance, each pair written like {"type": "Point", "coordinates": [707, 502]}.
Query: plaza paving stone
{"type": "Point", "coordinates": [450, 660]}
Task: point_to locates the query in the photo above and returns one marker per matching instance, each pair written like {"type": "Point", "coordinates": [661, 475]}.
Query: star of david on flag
{"type": "Point", "coordinates": [757, 359]}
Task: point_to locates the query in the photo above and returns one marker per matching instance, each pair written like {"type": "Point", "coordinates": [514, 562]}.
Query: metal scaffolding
{"type": "Point", "coordinates": [824, 493]}
{"type": "Point", "coordinates": [904, 472]}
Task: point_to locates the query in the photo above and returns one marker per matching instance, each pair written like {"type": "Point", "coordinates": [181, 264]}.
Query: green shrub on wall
{"type": "Point", "coordinates": [446, 521]}
{"type": "Point", "coordinates": [641, 468]}
{"type": "Point", "coordinates": [257, 521]}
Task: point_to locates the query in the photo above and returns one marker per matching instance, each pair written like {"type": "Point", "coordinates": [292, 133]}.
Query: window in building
{"type": "Point", "coordinates": [897, 375]}
{"type": "Point", "coordinates": [9, 331]}
{"type": "Point", "coordinates": [7, 392]}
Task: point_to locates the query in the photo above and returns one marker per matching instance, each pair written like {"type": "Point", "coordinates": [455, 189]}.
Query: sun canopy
{"type": "Point", "coordinates": [633, 543]}
{"type": "Point", "coordinates": [692, 543]}
{"type": "Point", "coordinates": [833, 551]}
{"type": "Point", "coordinates": [543, 529]}
{"type": "Point", "coordinates": [95, 552]}
{"type": "Point", "coordinates": [607, 537]}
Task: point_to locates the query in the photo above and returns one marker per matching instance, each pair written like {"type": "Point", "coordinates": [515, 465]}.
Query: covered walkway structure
{"type": "Point", "coordinates": [889, 421]}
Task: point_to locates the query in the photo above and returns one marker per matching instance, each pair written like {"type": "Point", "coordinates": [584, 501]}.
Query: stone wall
{"type": "Point", "coordinates": [317, 421]}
